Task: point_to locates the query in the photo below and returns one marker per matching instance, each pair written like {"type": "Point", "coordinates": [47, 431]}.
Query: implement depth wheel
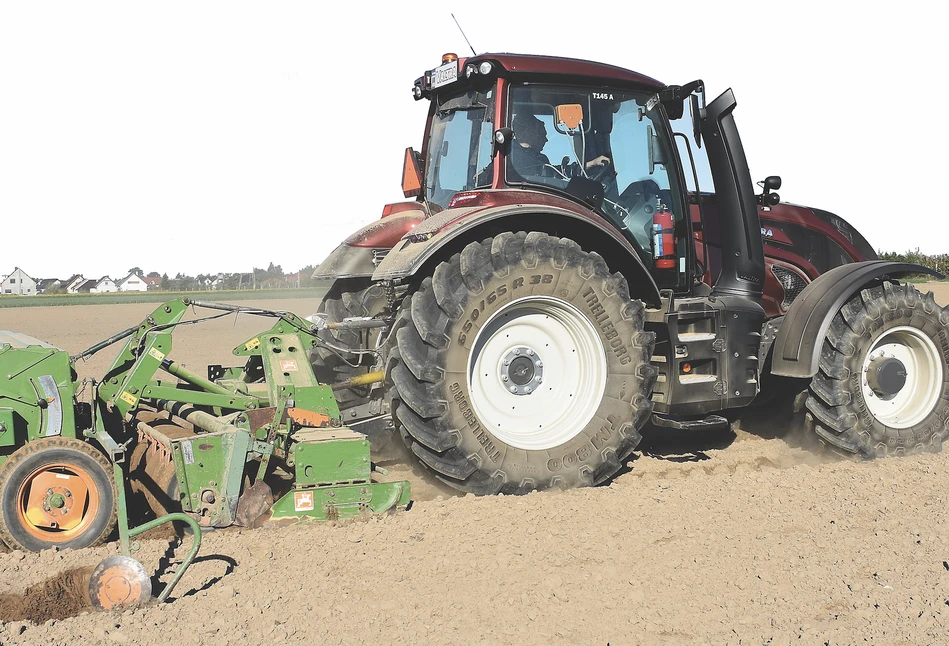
{"type": "Point", "coordinates": [56, 492]}
{"type": "Point", "coordinates": [883, 384]}
{"type": "Point", "coordinates": [521, 364]}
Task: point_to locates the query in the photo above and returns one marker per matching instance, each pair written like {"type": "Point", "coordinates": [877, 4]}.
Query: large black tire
{"type": "Point", "coordinates": [69, 466]}
{"type": "Point", "coordinates": [456, 319]}
{"type": "Point", "coordinates": [348, 299]}
{"type": "Point", "coordinates": [846, 412]}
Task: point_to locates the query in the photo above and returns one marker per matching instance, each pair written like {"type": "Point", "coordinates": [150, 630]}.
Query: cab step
{"type": "Point", "coordinates": [711, 422]}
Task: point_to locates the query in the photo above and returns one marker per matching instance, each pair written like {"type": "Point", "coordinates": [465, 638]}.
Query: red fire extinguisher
{"type": "Point", "coordinates": [663, 238]}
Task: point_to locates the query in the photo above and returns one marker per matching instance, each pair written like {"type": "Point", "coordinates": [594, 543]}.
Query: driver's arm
{"type": "Point", "coordinates": [602, 160]}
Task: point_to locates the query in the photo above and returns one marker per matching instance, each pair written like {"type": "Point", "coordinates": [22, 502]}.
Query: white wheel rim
{"type": "Point", "coordinates": [924, 375]}
{"type": "Point", "coordinates": [562, 394]}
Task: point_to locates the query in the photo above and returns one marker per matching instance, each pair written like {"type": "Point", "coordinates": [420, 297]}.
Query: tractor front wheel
{"type": "Point", "coordinates": [521, 364]}
{"type": "Point", "coordinates": [883, 384]}
{"type": "Point", "coordinates": [56, 492]}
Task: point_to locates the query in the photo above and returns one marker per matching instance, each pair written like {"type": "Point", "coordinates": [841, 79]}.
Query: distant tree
{"type": "Point", "coordinates": [306, 275]}
{"type": "Point", "coordinates": [135, 270]}
{"type": "Point", "coordinates": [274, 271]}
{"type": "Point", "coordinates": [153, 274]}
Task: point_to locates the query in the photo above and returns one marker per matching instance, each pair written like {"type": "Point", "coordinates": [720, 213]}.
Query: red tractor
{"type": "Point", "coordinates": [561, 278]}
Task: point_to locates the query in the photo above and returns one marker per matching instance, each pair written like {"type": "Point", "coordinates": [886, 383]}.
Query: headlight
{"type": "Point", "coordinates": [469, 70]}
{"type": "Point", "coordinates": [484, 67]}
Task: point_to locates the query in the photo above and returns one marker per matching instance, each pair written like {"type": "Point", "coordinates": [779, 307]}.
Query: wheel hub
{"type": "Point", "coordinates": [521, 371]}
{"type": "Point", "coordinates": [902, 377]}
{"type": "Point", "coordinates": [537, 373]}
{"type": "Point", "coordinates": [886, 375]}
{"type": "Point", "coordinates": [53, 501]}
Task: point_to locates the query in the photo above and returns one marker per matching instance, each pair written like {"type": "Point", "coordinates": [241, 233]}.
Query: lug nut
{"type": "Point", "coordinates": [530, 352]}
{"type": "Point", "coordinates": [503, 377]}
{"type": "Point", "coordinates": [517, 350]}
{"type": "Point", "coordinates": [514, 389]}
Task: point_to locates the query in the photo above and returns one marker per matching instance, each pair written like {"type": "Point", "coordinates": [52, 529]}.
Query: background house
{"type": "Point", "coordinates": [86, 286]}
{"type": "Point", "coordinates": [152, 282]}
{"type": "Point", "coordinates": [104, 285]}
{"type": "Point", "coordinates": [73, 283]}
{"type": "Point", "coordinates": [19, 283]}
{"type": "Point", "coordinates": [132, 283]}
{"type": "Point", "coordinates": [44, 285]}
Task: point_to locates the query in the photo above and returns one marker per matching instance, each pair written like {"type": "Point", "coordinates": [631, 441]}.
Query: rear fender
{"type": "Point", "coordinates": [797, 346]}
{"type": "Point", "coordinates": [447, 233]}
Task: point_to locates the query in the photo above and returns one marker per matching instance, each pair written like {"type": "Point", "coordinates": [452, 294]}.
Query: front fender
{"type": "Point", "coordinates": [798, 344]}
{"type": "Point", "coordinates": [453, 228]}
{"type": "Point", "coordinates": [360, 254]}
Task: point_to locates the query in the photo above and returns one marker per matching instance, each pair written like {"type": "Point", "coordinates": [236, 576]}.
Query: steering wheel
{"type": "Point", "coordinates": [600, 171]}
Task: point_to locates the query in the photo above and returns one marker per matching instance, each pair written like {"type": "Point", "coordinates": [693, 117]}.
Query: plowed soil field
{"type": "Point", "coordinates": [748, 536]}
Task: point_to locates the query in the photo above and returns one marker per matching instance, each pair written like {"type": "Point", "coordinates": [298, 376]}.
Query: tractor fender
{"type": "Point", "coordinates": [446, 233]}
{"type": "Point", "coordinates": [361, 252]}
{"type": "Point", "coordinates": [797, 346]}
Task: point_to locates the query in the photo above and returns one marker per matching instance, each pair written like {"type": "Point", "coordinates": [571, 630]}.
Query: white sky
{"type": "Point", "coordinates": [199, 137]}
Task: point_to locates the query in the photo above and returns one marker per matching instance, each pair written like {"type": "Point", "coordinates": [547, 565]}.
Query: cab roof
{"type": "Point", "coordinates": [533, 64]}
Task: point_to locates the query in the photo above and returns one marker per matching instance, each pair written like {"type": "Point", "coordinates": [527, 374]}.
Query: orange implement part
{"type": "Point", "coordinates": [57, 501]}
{"type": "Point", "coordinates": [119, 581]}
{"type": "Point", "coordinates": [305, 417]}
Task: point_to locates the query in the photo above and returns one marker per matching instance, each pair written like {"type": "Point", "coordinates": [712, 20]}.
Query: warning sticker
{"type": "Point", "coordinates": [157, 354]}
{"type": "Point", "coordinates": [303, 501]}
{"type": "Point", "coordinates": [187, 451]}
{"type": "Point", "coordinates": [128, 398]}
{"type": "Point", "coordinates": [290, 365]}
{"type": "Point", "coordinates": [253, 344]}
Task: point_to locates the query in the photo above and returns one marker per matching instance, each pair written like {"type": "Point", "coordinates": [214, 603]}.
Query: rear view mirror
{"type": "Point", "coordinates": [696, 111]}
{"type": "Point", "coordinates": [656, 157]}
{"type": "Point", "coordinates": [767, 199]}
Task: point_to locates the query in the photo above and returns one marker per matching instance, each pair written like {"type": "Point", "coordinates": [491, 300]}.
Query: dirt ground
{"type": "Point", "coordinates": [738, 537]}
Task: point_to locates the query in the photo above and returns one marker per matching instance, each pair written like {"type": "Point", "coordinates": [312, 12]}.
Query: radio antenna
{"type": "Point", "coordinates": [463, 35]}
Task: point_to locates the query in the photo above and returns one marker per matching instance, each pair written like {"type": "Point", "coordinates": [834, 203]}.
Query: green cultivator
{"type": "Point", "coordinates": [239, 446]}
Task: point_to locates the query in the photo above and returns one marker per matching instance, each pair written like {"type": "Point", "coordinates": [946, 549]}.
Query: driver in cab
{"type": "Point", "coordinates": [530, 137]}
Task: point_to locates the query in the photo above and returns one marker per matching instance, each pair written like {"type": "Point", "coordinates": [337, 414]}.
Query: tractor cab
{"type": "Point", "coordinates": [586, 134]}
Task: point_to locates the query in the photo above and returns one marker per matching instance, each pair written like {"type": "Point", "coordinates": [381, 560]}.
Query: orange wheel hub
{"type": "Point", "coordinates": [57, 501]}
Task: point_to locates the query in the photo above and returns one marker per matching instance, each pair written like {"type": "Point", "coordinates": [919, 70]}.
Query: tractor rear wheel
{"type": "Point", "coordinates": [883, 384]}
{"type": "Point", "coordinates": [348, 299]}
{"type": "Point", "coordinates": [521, 364]}
{"type": "Point", "coordinates": [56, 492]}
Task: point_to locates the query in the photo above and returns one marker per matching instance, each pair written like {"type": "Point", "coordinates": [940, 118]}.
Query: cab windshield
{"type": "Point", "coordinates": [606, 146]}
{"type": "Point", "coordinates": [459, 144]}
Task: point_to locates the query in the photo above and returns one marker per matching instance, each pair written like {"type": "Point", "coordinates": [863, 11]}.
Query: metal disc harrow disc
{"type": "Point", "coordinates": [119, 581]}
